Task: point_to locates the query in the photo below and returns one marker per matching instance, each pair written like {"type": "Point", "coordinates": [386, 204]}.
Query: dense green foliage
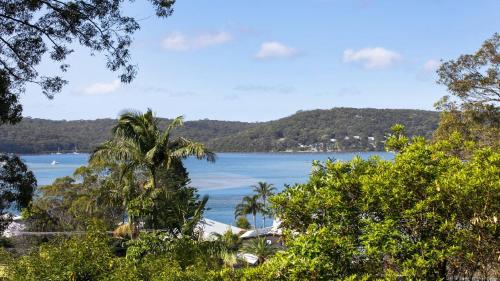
{"type": "Point", "coordinates": [72, 203]}
{"type": "Point", "coordinates": [307, 128]}
{"type": "Point", "coordinates": [17, 186]}
{"type": "Point", "coordinates": [427, 215]}
{"type": "Point", "coordinates": [151, 176]}
{"type": "Point", "coordinates": [136, 176]}
{"type": "Point", "coordinates": [152, 257]}
{"type": "Point", "coordinates": [475, 80]}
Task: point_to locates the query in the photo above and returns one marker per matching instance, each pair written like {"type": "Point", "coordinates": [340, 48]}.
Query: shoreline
{"type": "Point", "coordinates": [217, 152]}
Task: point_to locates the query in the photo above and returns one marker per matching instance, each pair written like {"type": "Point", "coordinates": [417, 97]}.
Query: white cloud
{"type": "Point", "coordinates": [210, 39]}
{"type": "Point", "coordinates": [275, 50]}
{"type": "Point", "coordinates": [431, 65]}
{"type": "Point", "coordinates": [177, 41]}
{"type": "Point", "coordinates": [102, 88]}
{"type": "Point", "coordinates": [372, 57]}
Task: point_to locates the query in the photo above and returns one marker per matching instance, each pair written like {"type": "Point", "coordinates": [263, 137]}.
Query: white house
{"type": "Point", "coordinates": [274, 230]}
{"type": "Point", "coordinates": [208, 227]}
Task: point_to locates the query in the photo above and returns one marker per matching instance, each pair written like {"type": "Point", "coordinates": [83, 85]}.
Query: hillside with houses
{"type": "Point", "coordinates": [336, 129]}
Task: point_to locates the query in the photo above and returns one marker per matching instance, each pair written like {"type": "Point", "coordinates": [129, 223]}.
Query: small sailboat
{"type": "Point", "coordinates": [54, 163]}
{"type": "Point", "coordinates": [58, 151]}
{"type": "Point", "coordinates": [76, 150]}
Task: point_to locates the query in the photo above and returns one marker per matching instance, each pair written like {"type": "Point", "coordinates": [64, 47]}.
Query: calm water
{"type": "Point", "coordinates": [226, 181]}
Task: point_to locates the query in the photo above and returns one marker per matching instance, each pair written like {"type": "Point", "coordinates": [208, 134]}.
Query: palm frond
{"type": "Point", "coordinates": [177, 122]}
{"type": "Point", "coordinates": [183, 148]}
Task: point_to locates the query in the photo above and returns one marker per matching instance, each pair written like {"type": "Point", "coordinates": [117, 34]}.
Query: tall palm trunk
{"type": "Point", "coordinates": [254, 220]}
{"type": "Point", "coordinates": [153, 188]}
{"type": "Point", "coordinates": [152, 179]}
{"type": "Point", "coordinates": [131, 227]}
{"type": "Point", "coordinates": [265, 210]}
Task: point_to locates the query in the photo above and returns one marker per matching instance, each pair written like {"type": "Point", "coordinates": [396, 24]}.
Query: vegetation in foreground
{"type": "Point", "coordinates": [427, 215]}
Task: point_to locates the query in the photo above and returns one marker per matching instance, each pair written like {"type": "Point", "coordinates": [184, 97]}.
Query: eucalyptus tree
{"type": "Point", "coordinates": [17, 186]}
{"type": "Point", "coordinates": [143, 151]}
{"type": "Point", "coordinates": [475, 80]}
{"type": "Point", "coordinates": [34, 30]}
{"type": "Point", "coordinates": [249, 205]}
{"type": "Point", "coordinates": [264, 190]}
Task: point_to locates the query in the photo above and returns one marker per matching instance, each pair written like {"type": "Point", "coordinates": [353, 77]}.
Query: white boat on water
{"type": "Point", "coordinates": [54, 163]}
{"type": "Point", "coordinates": [76, 150]}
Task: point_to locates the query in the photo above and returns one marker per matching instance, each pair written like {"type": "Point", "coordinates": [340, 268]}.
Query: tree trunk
{"type": "Point", "coordinates": [442, 270]}
{"type": "Point", "coordinates": [153, 178]}
{"type": "Point", "coordinates": [153, 187]}
{"type": "Point", "coordinates": [131, 227]}
{"type": "Point", "coordinates": [265, 210]}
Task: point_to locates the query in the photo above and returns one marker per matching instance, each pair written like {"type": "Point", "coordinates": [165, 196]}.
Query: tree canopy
{"type": "Point", "coordinates": [29, 30]}
{"type": "Point", "coordinates": [17, 186]}
{"type": "Point", "coordinates": [475, 80]}
{"type": "Point", "coordinates": [427, 215]}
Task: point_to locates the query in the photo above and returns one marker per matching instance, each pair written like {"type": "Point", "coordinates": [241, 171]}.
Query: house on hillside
{"type": "Point", "coordinates": [272, 234]}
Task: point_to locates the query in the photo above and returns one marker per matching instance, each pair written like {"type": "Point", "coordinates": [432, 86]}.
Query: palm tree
{"type": "Point", "coordinates": [260, 248]}
{"type": "Point", "coordinates": [264, 190]}
{"type": "Point", "coordinates": [138, 145]}
{"type": "Point", "coordinates": [139, 142]}
{"type": "Point", "coordinates": [249, 205]}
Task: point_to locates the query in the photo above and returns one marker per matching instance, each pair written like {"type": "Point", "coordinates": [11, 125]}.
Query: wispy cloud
{"type": "Point", "coordinates": [431, 65]}
{"type": "Point", "coordinates": [349, 91]}
{"type": "Point", "coordinates": [282, 89]}
{"type": "Point", "coordinates": [102, 88]}
{"type": "Point", "coordinates": [168, 92]}
{"type": "Point", "coordinates": [372, 58]}
{"type": "Point", "coordinates": [342, 92]}
{"type": "Point", "coordinates": [178, 41]}
{"type": "Point", "coordinates": [275, 49]}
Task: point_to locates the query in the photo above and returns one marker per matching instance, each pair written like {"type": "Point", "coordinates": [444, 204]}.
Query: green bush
{"type": "Point", "coordinates": [75, 258]}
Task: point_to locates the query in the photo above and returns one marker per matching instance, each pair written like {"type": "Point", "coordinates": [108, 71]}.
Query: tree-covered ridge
{"type": "Point", "coordinates": [310, 129]}
{"type": "Point", "coordinates": [351, 129]}
{"type": "Point", "coordinates": [33, 135]}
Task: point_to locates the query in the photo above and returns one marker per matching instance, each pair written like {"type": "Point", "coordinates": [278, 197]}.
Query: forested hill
{"type": "Point", "coordinates": [340, 129]}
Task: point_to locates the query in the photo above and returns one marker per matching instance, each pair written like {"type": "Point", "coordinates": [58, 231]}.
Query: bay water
{"type": "Point", "coordinates": [225, 182]}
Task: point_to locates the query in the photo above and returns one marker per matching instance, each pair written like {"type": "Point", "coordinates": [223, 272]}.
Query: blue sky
{"type": "Point", "coordinates": [263, 59]}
